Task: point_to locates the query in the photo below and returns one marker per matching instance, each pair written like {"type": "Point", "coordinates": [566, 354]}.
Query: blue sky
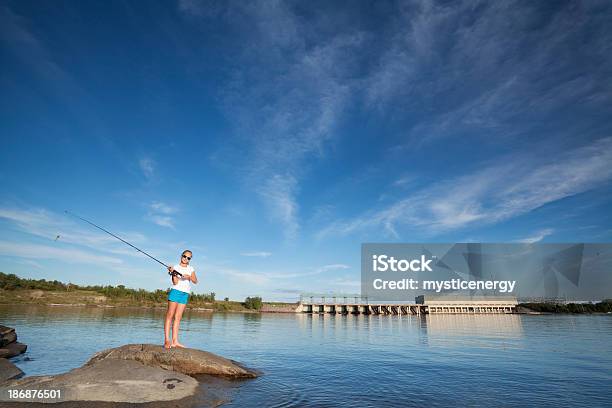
{"type": "Point", "coordinates": [273, 138]}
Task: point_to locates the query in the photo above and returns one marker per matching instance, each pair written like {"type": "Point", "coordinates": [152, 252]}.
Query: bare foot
{"type": "Point", "coordinates": [177, 344]}
{"type": "Point", "coordinates": [167, 345]}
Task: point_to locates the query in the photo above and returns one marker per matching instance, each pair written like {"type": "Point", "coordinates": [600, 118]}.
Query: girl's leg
{"type": "Point", "coordinates": [180, 308]}
{"type": "Point", "coordinates": [169, 314]}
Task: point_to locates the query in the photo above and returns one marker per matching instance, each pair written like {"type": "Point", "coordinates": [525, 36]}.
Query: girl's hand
{"type": "Point", "coordinates": [170, 269]}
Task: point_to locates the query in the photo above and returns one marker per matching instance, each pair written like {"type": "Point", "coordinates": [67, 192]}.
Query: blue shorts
{"type": "Point", "coordinates": [178, 296]}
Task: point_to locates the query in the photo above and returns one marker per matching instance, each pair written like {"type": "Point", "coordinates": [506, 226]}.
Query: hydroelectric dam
{"type": "Point", "coordinates": [358, 305]}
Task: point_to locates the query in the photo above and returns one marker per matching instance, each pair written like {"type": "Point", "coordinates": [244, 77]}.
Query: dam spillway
{"type": "Point", "coordinates": [423, 305]}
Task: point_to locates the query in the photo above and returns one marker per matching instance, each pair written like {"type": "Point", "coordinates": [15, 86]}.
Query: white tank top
{"type": "Point", "coordinates": [183, 284]}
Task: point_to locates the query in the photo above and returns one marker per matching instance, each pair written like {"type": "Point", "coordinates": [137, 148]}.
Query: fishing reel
{"type": "Point", "coordinates": [175, 273]}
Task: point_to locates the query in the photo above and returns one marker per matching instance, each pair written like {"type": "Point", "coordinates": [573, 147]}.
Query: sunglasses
{"type": "Point", "coordinates": [188, 257]}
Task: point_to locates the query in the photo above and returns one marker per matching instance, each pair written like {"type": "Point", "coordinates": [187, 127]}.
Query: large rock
{"type": "Point", "coordinates": [7, 335]}
{"type": "Point", "coordinates": [183, 360]}
{"type": "Point", "coordinates": [109, 381]}
{"type": "Point", "coordinates": [5, 329]}
{"type": "Point", "coordinates": [8, 339]}
{"type": "Point", "coordinates": [12, 350]}
{"type": "Point", "coordinates": [134, 373]}
{"type": "Point", "coordinates": [8, 370]}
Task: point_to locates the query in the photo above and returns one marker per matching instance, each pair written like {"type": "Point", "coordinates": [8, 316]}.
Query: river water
{"type": "Point", "coordinates": [348, 361]}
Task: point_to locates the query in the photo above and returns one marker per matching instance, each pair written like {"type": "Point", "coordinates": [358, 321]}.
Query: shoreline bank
{"type": "Point", "coordinates": [16, 290]}
{"type": "Point", "coordinates": [524, 309]}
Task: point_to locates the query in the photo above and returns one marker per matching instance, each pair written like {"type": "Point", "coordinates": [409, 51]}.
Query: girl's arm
{"type": "Point", "coordinates": [175, 278]}
{"type": "Point", "coordinates": [193, 277]}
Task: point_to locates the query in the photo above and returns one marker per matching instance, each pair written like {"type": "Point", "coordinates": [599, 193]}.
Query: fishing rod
{"type": "Point", "coordinates": [174, 272]}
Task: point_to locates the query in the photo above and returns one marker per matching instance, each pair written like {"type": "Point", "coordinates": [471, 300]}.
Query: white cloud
{"type": "Point", "coordinates": [259, 254]}
{"type": "Point", "coordinates": [537, 237]}
{"type": "Point", "coordinates": [72, 255]}
{"type": "Point", "coordinates": [284, 120]}
{"type": "Point", "coordinates": [497, 81]}
{"type": "Point", "coordinates": [332, 267]}
{"type": "Point", "coordinates": [501, 191]}
{"type": "Point", "coordinates": [49, 225]}
{"type": "Point", "coordinates": [162, 221]}
{"type": "Point", "coordinates": [444, 69]}
{"type": "Point", "coordinates": [250, 277]}
{"type": "Point", "coordinates": [404, 180]}
{"type": "Point", "coordinates": [279, 193]}
{"type": "Point", "coordinates": [160, 214]}
{"type": "Point", "coordinates": [163, 208]}
{"type": "Point", "coordinates": [268, 277]}
{"type": "Point", "coordinates": [31, 239]}
{"type": "Point", "coordinates": [73, 236]}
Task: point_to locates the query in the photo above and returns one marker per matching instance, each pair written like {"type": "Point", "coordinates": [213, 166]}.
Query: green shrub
{"type": "Point", "coordinates": [253, 303]}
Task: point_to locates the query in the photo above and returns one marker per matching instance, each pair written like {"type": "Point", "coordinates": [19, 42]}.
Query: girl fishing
{"type": "Point", "coordinates": [183, 275]}
{"type": "Point", "coordinates": [178, 296]}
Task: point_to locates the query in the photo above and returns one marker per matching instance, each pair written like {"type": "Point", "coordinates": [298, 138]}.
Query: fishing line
{"type": "Point", "coordinates": [122, 240]}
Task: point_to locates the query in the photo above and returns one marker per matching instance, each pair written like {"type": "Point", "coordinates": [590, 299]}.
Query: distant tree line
{"type": "Point", "coordinates": [601, 307]}
{"type": "Point", "coordinates": [13, 282]}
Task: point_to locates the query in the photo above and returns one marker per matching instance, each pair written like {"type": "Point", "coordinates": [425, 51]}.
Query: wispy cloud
{"type": "Point", "coordinates": [537, 236]}
{"type": "Point", "coordinates": [404, 180]}
{"type": "Point", "coordinates": [285, 116]}
{"type": "Point", "coordinates": [47, 225]}
{"type": "Point", "coordinates": [36, 251]}
{"type": "Point", "coordinates": [496, 76]}
{"type": "Point", "coordinates": [258, 254]}
{"type": "Point", "coordinates": [30, 238]}
{"type": "Point", "coordinates": [162, 208]}
{"type": "Point", "coordinates": [447, 70]}
{"type": "Point", "coordinates": [266, 277]}
{"type": "Point", "coordinates": [333, 267]}
{"type": "Point", "coordinates": [161, 214]}
{"type": "Point", "coordinates": [162, 220]}
{"type": "Point", "coordinates": [501, 191]}
{"type": "Point", "coordinates": [503, 63]}
{"type": "Point", "coordinates": [279, 193]}
{"type": "Point", "coordinates": [249, 277]}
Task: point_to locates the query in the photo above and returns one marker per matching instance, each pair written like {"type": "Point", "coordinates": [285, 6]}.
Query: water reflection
{"type": "Point", "coordinates": [493, 325]}
{"type": "Point", "coordinates": [344, 361]}
{"type": "Point", "coordinates": [496, 325]}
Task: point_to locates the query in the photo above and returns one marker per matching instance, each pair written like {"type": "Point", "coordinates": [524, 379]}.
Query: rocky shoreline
{"type": "Point", "coordinates": [134, 373]}
{"type": "Point", "coordinates": [9, 348]}
{"type": "Point", "coordinates": [265, 309]}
